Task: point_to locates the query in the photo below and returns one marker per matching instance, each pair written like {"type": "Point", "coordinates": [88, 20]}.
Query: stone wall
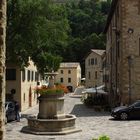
{"type": "Point", "coordinates": [123, 41]}
{"type": "Point", "coordinates": [2, 65]}
{"type": "Point", "coordinates": [93, 72]}
{"type": "Point", "coordinates": [130, 47]}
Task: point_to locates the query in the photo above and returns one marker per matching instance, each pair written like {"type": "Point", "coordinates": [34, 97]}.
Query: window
{"type": "Point", "coordinates": [69, 80]}
{"type": "Point", "coordinates": [32, 75]}
{"type": "Point", "coordinates": [96, 74]}
{"type": "Point", "coordinates": [95, 61]}
{"type": "Point", "coordinates": [23, 75]}
{"type": "Point", "coordinates": [28, 75]}
{"type": "Point", "coordinates": [24, 97]}
{"type": "Point", "coordinates": [61, 80]}
{"type": "Point", "coordinates": [36, 76]}
{"type": "Point", "coordinates": [137, 104]}
{"type": "Point", "coordinates": [61, 71]}
{"type": "Point", "coordinates": [69, 71]}
{"type": "Point", "coordinates": [88, 75]}
{"type": "Point", "coordinates": [10, 74]}
{"type": "Point", "coordinates": [92, 61]}
{"type": "Point", "coordinates": [89, 62]}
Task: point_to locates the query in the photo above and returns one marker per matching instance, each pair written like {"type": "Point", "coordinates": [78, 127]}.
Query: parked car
{"type": "Point", "coordinates": [127, 112]}
{"type": "Point", "coordinates": [9, 111]}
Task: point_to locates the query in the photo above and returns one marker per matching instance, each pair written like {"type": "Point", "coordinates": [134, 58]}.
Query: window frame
{"type": "Point", "coordinates": [11, 74]}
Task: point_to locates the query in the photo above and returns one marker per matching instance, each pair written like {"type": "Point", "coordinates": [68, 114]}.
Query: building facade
{"type": "Point", "coordinates": [93, 68]}
{"type": "Point", "coordinates": [20, 85]}
{"type": "Point", "coordinates": [69, 74]}
{"type": "Point", "coordinates": [123, 51]}
{"type": "Point", "coordinates": [3, 9]}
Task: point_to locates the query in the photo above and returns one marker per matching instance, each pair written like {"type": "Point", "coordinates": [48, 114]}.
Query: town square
{"type": "Point", "coordinates": [93, 124]}
{"type": "Point", "coordinates": [70, 69]}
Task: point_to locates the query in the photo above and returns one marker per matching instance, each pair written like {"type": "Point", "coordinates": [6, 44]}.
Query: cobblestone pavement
{"type": "Point", "coordinates": [93, 124]}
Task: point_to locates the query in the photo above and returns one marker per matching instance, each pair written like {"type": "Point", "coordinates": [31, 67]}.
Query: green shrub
{"type": "Point", "coordinates": [102, 138]}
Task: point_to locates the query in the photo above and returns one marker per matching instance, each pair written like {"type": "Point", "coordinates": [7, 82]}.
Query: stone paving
{"type": "Point", "coordinates": [93, 124]}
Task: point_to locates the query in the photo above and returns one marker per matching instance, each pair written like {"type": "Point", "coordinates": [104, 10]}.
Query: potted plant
{"type": "Point", "coordinates": [57, 90]}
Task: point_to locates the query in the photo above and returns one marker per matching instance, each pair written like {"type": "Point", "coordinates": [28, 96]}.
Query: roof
{"type": "Point", "coordinates": [99, 52]}
{"type": "Point", "coordinates": [69, 65]}
{"type": "Point", "coordinates": [111, 13]}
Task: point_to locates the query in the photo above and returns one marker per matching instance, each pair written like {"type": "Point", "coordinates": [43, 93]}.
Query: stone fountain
{"type": "Point", "coordinates": [51, 119]}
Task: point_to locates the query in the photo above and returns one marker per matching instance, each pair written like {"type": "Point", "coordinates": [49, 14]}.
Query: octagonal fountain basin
{"type": "Point", "coordinates": [61, 126]}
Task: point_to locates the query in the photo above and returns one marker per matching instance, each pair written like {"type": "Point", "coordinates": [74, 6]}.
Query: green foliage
{"type": "Point", "coordinates": [86, 17]}
{"type": "Point", "coordinates": [35, 28]}
{"type": "Point", "coordinates": [93, 100]}
{"type": "Point", "coordinates": [87, 20]}
{"type": "Point", "coordinates": [105, 6]}
{"type": "Point", "coordinates": [51, 91]}
{"type": "Point", "coordinates": [104, 137]}
{"type": "Point", "coordinates": [48, 63]}
{"type": "Point", "coordinates": [48, 32]}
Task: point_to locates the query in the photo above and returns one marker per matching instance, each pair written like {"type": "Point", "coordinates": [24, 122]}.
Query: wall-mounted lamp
{"type": "Point", "coordinates": [130, 30]}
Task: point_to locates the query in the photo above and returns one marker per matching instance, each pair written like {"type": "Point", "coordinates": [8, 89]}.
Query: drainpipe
{"type": "Point", "coordinates": [130, 59]}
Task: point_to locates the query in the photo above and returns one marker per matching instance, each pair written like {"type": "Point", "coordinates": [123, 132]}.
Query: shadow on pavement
{"type": "Point", "coordinates": [81, 110]}
{"type": "Point", "coordinates": [25, 115]}
{"type": "Point", "coordinates": [113, 119]}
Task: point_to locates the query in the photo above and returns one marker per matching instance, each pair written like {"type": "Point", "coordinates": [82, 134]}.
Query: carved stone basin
{"type": "Point", "coordinates": [51, 126]}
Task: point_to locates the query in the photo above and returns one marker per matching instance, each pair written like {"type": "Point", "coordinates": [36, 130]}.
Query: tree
{"type": "Point", "coordinates": [87, 20]}
{"type": "Point", "coordinates": [48, 63]}
{"type": "Point", "coordinates": [105, 6]}
{"type": "Point", "coordinates": [35, 28]}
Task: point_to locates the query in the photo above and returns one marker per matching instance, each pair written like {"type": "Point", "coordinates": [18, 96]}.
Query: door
{"type": "Point", "coordinates": [70, 88]}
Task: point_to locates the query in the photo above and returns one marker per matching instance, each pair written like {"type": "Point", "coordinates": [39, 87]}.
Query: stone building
{"type": "Point", "coordinates": [123, 51]}
{"type": "Point", "coordinates": [93, 68]}
{"type": "Point", "coordinates": [69, 74]}
{"type": "Point", "coordinates": [20, 85]}
{"type": "Point", "coordinates": [3, 4]}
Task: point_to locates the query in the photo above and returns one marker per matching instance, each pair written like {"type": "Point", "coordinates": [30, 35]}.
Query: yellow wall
{"type": "Point", "coordinates": [23, 88]}
{"type": "Point", "coordinates": [75, 76]}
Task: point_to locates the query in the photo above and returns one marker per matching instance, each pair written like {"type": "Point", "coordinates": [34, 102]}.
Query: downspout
{"type": "Point", "coordinates": [116, 54]}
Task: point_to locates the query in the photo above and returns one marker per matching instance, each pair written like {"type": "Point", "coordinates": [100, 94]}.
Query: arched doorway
{"type": "Point", "coordinates": [70, 88]}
